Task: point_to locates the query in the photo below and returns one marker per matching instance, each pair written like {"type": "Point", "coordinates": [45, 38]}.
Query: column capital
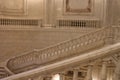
{"type": "Point", "coordinates": [30, 79]}
{"type": "Point", "coordinates": [105, 62]}
{"type": "Point", "coordinates": [90, 64]}
{"type": "Point", "coordinates": [76, 69]}
{"type": "Point", "coordinates": [61, 73]}
{"type": "Point", "coordinates": [105, 59]}
{"type": "Point", "coordinates": [48, 77]}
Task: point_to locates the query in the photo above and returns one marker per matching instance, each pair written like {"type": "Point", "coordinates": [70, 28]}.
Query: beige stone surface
{"type": "Point", "coordinates": [18, 42]}
{"type": "Point", "coordinates": [17, 39]}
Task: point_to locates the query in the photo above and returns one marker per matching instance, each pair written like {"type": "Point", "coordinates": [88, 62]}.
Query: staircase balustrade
{"type": "Point", "coordinates": [66, 49]}
{"type": "Point", "coordinates": [3, 73]}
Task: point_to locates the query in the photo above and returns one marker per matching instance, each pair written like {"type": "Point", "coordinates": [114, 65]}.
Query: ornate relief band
{"type": "Point", "coordinates": [78, 6]}
{"type": "Point", "coordinates": [13, 7]}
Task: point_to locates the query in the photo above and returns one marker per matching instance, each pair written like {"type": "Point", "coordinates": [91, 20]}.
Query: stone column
{"type": "Point", "coordinates": [39, 78]}
{"type": "Point", "coordinates": [89, 73]}
{"type": "Point", "coordinates": [62, 76]}
{"type": "Point", "coordinates": [48, 78]}
{"type": "Point", "coordinates": [30, 79]}
{"type": "Point", "coordinates": [117, 71]}
{"type": "Point", "coordinates": [75, 74]}
{"type": "Point", "coordinates": [103, 75]}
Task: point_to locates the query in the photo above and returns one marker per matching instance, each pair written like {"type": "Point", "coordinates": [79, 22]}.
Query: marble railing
{"type": "Point", "coordinates": [20, 22]}
{"type": "Point", "coordinates": [116, 34]}
{"type": "Point", "coordinates": [63, 50]}
{"type": "Point", "coordinates": [3, 73]}
{"type": "Point", "coordinates": [78, 23]}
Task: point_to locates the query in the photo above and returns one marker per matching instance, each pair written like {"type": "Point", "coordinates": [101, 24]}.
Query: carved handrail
{"type": "Point", "coordinates": [60, 51]}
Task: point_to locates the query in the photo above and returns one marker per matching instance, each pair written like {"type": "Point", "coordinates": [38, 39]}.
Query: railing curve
{"type": "Point", "coordinates": [62, 50]}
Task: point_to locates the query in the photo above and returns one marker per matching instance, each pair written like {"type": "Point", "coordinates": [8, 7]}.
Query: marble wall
{"type": "Point", "coordinates": [49, 10]}
{"type": "Point", "coordinates": [114, 11]}
{"type": "Point", "coordinates": [98, 11]}
{"type": "Point", "coordinates": [21, 9]}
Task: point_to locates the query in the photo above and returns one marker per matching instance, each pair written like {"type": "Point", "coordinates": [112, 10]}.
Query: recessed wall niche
{"type": "Point", "coordinates": [78, 6]}
{"type": "Point", "coordinates": [13, 7]}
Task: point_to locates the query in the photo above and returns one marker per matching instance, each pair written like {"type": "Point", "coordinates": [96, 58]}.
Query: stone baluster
{"type": "Point", "coordinates": [48, 77]}
{"type": "Point", "coordinates": [39, 78]}
{"type": "Point", "coordinates": [30, 79]}
{"type": "Point", "coordinates": [75, 74]}
{"type": "Point", "coordinates": [103, 75]}
{"type": "Point", "coordinates": [117, 71]}
{"type": "Point", "coordinates": [89, 73]}
{"type": "Point", "coordinates": [62, 76]}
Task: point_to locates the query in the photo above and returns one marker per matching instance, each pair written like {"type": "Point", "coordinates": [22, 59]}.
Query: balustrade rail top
{"type": "Point", "coordinates": [92, 55]}
{"type": "Point", "coordinates": [69, 48]}
{"type": "Point", "coordinates": [70, 40]}
{"type": "Point", "coordinates": [55, 45]}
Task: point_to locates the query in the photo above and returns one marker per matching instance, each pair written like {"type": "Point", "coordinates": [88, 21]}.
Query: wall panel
{"type": "Point", "coordinates": [32, 9]}
{"type": "Point", "coordinates": [13, 7]}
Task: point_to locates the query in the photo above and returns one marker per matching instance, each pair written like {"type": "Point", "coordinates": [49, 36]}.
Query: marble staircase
{"type": "Point", "coordinates": [63, 50]}
{"type": "Point", "coordinates": [91, 46]}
